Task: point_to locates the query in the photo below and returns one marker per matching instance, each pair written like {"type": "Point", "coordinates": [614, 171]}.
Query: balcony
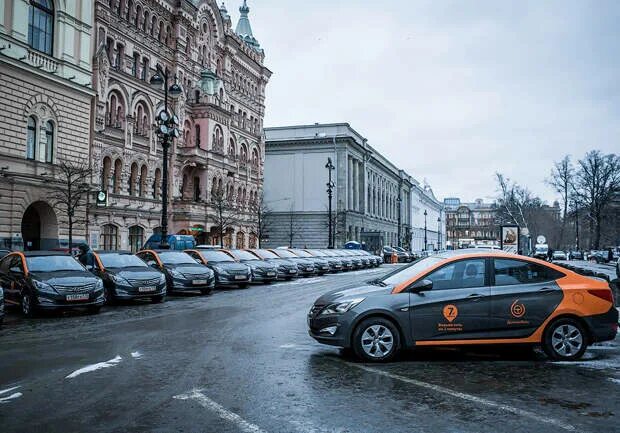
{"type": "Point", "coordinates": [42, 61]}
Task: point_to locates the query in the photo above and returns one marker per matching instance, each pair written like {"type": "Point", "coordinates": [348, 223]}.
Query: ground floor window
{"type": "Point", "coordinates": [109, 237]}
{"type": "Point", "coordinates": [136, 238]}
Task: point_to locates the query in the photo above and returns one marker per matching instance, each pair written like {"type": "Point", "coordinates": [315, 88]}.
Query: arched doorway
{"type": "Point", "coordinates": [39, 227]}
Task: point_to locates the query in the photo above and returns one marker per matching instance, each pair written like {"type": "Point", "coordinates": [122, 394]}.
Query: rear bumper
{"type": "Point", "coordinates": [603, 327]}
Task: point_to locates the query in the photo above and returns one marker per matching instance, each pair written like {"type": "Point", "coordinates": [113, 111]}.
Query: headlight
{"type": "Point", "coordinates": [176, 274]}
{"type": "Point", "coordinates": [120, 280]}
{"type": "Point", "coordinates": [162, 279]}
{"type": "Point", "coordinates": [99, 285]}
{"type": "Point", "coordinates": [341, 307]}
{"type": "Point", "coordinates": [45, 288]}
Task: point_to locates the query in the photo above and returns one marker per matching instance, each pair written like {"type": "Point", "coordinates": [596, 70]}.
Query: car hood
{"type": "Point", "coordinates": [283, 262]}
{"type": "Point", "coordinates": [135, 273]}
{"type": "Point", "coordinates": [305, 261]}
{"type": "Point", "coordinates": [64, 278]}
{"type": "Point", "coordinates": [190, 269]}
{"type": "Point", "coordinates": [230, 266]}
{"type": "Point", "coordinates": [341, 295]}
{"type": "Point", "coordinates": [259, 264]}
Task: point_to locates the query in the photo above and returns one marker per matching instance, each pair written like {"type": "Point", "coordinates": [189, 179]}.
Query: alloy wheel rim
{"type": "Point", "coordinates": [566, 340]}
{"type": "Point", "coordinates": [377, 341]}
{"type": "Point", "coordinates": [26, 304]}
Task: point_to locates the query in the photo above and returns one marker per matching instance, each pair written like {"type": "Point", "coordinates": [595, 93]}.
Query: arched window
{"type": "Point", "coordinates": [109, 237]}
{"type": "Point", "coordinates": [138, 19]}
{"type": "Point", "coordinates": [161, 35]}
{"type": "Point", "coordinates": [214, 188]}
{"type": "Point", "coordinates": [183, 186]}
{"type": "Point", "coordinates": [240, 243]}
{"type": "Point", "coordinates": [105, 173]}
{"type": "Point", "coordinates": [49, 141]}
{"type": "Point", "coordinates": [129, 10]}
{"type": "Point", "coordinates": [243, 154]}
{"type": "Point", "coordinates": [143, 177]}
{"type": "Point", "coordinates": [168, 39]}
{"type": "Point", "coordinates": [239, 195]}
{"type": "Point", "coordinates": [133, 179]}
{"type": "Point", "coordinates": [153, 25]}
{"type": "Point", "coordinates": [41, 25]}
{"type": "Point", "coordinates": [31, 138]}
{"type": "Point", "coordinates": [145, 23]}
{"type": "Point", "coordinates": [197, 191]}
{"type": "Point", "coordinates": [118, 176]}
{"type": "Point", "coordinates": [255, 157]}
{"type": "Point", "coordinates": [156, 183]}
{"type": "Point", "coordinates": [232, 149]}
{"type": "Point", "coordinates": [136, 238]}
{"type": "Point", "coordinates": [197, 133]}
{"type": "Point", "coordinates": [218, 140]}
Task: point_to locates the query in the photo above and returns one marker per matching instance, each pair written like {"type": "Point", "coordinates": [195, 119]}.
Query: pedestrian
{"type": "Point", "coordinates": [610, 256]}
{"type": "Point", "coordinates": [86, 256]}
{"type": "Point", "coordinates": [549, 253]}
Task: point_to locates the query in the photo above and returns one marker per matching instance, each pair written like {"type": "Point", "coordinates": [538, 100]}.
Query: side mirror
{"type": "Point", "coordinates": [16, 270]}
{"type": "Point", "coordinates": [422, 286]}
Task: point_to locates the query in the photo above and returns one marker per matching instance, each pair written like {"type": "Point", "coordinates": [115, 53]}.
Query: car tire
{"type": "Point", "coordinates": [27, 305]}
{"type": "Point", "coordinates": [108, 296]}
{"type": "Point", "coordinates": [157, 299]}
{"type": "Point", "coordinates": [565, 339]}
{"type": "Point", "coordinates": [376, 340]}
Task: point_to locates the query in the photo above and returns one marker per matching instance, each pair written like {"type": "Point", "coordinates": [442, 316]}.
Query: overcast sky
{"type": "Point", "coordinates": [450, 91]}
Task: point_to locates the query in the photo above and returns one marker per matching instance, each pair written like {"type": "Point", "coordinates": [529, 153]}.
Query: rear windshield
{"type": "Point", "coordinates": [176, 258]}
{"type": "Point", "coordinates": [53, 264]}
{"type": "Point", "coordinates": [244, 255]}
{"type": "Point", "coordinates": [216, 256]}
{"type": "Point", "coordinates": [114, 260]}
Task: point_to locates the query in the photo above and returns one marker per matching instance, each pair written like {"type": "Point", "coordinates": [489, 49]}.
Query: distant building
{"type": "Point", "coordinates": [46, 94]}
{"type": "Point", "coordinates": [427, 230]}
{"type": "Point", "coordinates": [470, 223]}
{"type": "Point", "coordinates": [371, 195]}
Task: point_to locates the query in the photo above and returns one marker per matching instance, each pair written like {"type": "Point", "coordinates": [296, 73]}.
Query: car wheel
{"type": "Point", "coordinates": [205, 292]}
{"type": "Point", "coordinates": [108, 297]}
{"type": "Point", "coordinates": [157, 299]}
{"type": "Point", "coordinates": [376, 340]}
{"type": "Point", "coordinates": [27, 305]}
{"type": "Point", "coordinates": [288, 278]}
{"type": "Point", "coordinates": [565, 340]}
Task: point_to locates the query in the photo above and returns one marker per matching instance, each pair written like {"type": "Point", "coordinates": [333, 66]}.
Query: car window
{"type": "Point", "coordinates": [5, 264]}
{"type": "Point", "coordinates": [509, 272]}
{"type": "Point", "coordinates": [176, 258]}
{"type": "Point", "coordinates": [244, 255]}
{"type": "Point", "coordinates": [404, 275]}
{"type": "Point", "coordinates": [458, 275]}
{"type": "Point", "coordinates": [115, 260]}
{"type": "Point", "coordinates": [53, 264]}
{"type": "Point", "coordinates": [214, 256]}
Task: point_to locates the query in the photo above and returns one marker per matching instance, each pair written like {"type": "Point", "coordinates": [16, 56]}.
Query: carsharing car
{"type": "Point", "coordinates": [335, 264]}
{"type": "Point", "coordinates": [125, 276]}
{"type": "Point", "coordinates": [347, 263]}
{"type": "Point", "coordinates": [183, 273]}
{"type": "Point", "coordinates": [468, 297]}
{"type": "Point", "coordinates": [287, 269]}
{"type": "Point", "coordinates": [305, 266]}
{"type": "Point", "coordinates": [49, 280]}
{"type": "Point", "coordinates": [227, 271]}
{"type": "Point", "coordinates": [375, 260]}
{"type": "Point", "coordinates": [321, 265]}
{"type": "Point", "coordinates": [1, 305]}
{"type": "Point", "coordinates": [262, 270]}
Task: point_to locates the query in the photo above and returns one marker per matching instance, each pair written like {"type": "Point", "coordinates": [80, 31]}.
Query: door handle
{"type": "Point", "coordinates": [547, 289]}
{"type": "Point", "coordinates": [475, 297]}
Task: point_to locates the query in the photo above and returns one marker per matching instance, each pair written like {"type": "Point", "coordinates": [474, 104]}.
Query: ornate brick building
{"type": "Point", "coordinates": [46, 94]}
{"type": "Point", "coordinates": [469, 224]}
{"type": "Point", "coordinates": [221, 147]}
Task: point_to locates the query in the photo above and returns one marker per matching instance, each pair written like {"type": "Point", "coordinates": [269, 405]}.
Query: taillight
{"type": "Point", "coordinates": [603, 294]}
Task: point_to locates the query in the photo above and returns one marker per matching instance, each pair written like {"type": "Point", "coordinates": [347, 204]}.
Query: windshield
{"type": "Point", "coordinates": [286, 253]}
{"type": "Point", "coordinates": [302, 253]}
{"type": "Point", "coordinates": [114, 260]}
{"type": "Point", "coordinates": [265, 254]}
{"type": "Point", "coordinates": [176, 258]}
{"type": "Point", "coordinates": [53, 264]}
{"type": "Point", "coordinates": [244, 255]}
{"type": "Point", "coordinates": [410, 271]}
{"type": "Point", "coordinates": [318, 253]}
{"type": "Point", "coordinates": [216, 256]}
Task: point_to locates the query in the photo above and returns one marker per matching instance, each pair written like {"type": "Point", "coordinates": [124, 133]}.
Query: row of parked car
{"type": "Point", "coordinates": [48, 280]}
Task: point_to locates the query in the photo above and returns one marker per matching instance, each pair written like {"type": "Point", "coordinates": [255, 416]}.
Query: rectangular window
{"type": "Point", "coordinates": [40, 29]}
{"type": "Point", "coordinates": [462, 274]}
{"type": "Point", "coordinates": [512, 272]}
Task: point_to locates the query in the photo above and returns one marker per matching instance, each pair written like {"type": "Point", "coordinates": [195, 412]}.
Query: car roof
{"type": "Point", "coordinates": [474, 252]}
{"type": "Point", "coordinates": [113, 252]}
{"type": "Point", "coordinates": [45, 253]}
{"type": "Point", "coordinates": [162, 251]}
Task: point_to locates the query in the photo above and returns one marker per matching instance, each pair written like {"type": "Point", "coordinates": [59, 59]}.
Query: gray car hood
{"type": "Point", "coordinates": [341, 295]}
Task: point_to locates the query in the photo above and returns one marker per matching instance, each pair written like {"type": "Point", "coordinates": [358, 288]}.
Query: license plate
{"type": "Point", "coordinates": [146, 289]}
{"type": "Point", "coordinates": [292, 271]}
{"type": "Point", "coordinates": [80, 297]}
{"type": "Point", "coordinates": [309, 269]}
{"type": "Point", "coordinates": [240, 277]}
{"type": "Point", "coordinates": [199, 282]}
{"type": "Point", "coordinates": [271, 274]}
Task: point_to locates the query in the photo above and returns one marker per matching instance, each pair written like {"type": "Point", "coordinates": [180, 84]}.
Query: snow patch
{"type": "Point", "coordinates": [136, 355]}
{"type": "Point", "coordinates": [94, 367]}
{"type": "Point", "coordinates": [10, 397]}
{"type": "Point", "coordinates": [614, 380]}
{"type": "Point", "coordinates": [4, 391]}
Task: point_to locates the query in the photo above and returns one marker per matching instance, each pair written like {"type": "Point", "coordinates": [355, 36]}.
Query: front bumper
{"type": "Point", "coordinates": [263, 277]}
{"type": "Point", "coordinates": [55, 302]}
{"type": "Point", "coordinates": [287, 273]}
{"type": "Point", "coordinates": [231, 280]}
{"type": "Point", "coordinates": [187, 285]}
{"type": "Point", "coordinates": [340, 337]}
{"type": "Point", "coordinates": [306, 271]}
{"type": "Point", "coordinates": [131, 292]}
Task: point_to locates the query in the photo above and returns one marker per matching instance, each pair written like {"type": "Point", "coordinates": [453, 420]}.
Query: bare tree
{"type": "Point", "coordinates": [261, 218]}
{"type": "Point", "coordinates": [69, 192]}
{"type": "Point", "coordinates": [597, 180]}
{"type": "Point", "coordinates": [561, 180]}
{"type": "Point", "coordinates": [225, 216]}
{"type": "Point", "coordinates": [293, 229]}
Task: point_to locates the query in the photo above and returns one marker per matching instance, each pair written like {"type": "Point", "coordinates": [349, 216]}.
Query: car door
{"type": "Point", "coordinates": [13, 278]}
{"type": "Point", "coordinates": [457, 307]}
{"type": "Point", "coordinates": [523, 295]}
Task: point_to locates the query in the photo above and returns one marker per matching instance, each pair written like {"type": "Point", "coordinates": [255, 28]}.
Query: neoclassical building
{"type": "Point", "coordinates": [46, 94]}
{"type": "Point", "coordinates": [221, 146]}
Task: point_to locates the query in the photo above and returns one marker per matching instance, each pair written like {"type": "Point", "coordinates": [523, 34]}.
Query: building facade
{"type": "Point", "coordinates": [370, 194]}
{"type": "Point", "coordinates": [428, 224]}
{"type": "Point", "coordinates": [46, 94]}
{"type": "Point", "coordinates": [220, 152]}
{"type": "Point", "coordinates": [469, 224]}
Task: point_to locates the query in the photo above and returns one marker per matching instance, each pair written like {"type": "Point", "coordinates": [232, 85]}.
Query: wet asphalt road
{"type": "Point", "coordinates": [241, 361]}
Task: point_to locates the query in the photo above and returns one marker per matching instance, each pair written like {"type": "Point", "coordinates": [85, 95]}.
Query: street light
{"type": "Point", "coordinates": [438, 233]}
{"type": "Point", "coordinates": [425, 240]}
{"type": "Point", "coordinates": [399, 200]}
{"type": "Point", "coordinates": [167, 129]}
{"type": "Point", "coordinates": [330, 189]}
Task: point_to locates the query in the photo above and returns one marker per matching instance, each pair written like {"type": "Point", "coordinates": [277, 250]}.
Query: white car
{"type": "Point", "coordinates": [559, 255]}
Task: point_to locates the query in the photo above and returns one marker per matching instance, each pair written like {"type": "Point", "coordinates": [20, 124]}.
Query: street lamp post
{"type": "Point", "coordinates": [399, 200]}
{"type": "Point", "coordinates": [425, 239]}
{"type": "Point", "coordinates": [330, 189]}
{"type": "Point", "coordinates": [167, 129]}
{"type": "Point", "coordinates": [439, 233]}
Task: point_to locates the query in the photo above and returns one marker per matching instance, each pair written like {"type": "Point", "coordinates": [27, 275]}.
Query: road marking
{"type": "Point", "coordinates": [467, 397]}
{"type": "Point", "coordinates": [93, 367]}
{"type": "Point", "coordinates": [4, 391]}
{"type": "Point", "coordinates": [222, 412]}
{"type": "Point", "coordinates": [136, 355]}
{"type": "Point", "coordinates": [10, 397]}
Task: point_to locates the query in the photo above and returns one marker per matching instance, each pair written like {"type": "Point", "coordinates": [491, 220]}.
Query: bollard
{"type": "Point", "coordinates": [394, 258]}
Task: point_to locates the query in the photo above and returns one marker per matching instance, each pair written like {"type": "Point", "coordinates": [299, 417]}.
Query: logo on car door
{"type": "Point", "coordinates": [450, 312]}
{"type": "Point", "coordinates": [517, 309]}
